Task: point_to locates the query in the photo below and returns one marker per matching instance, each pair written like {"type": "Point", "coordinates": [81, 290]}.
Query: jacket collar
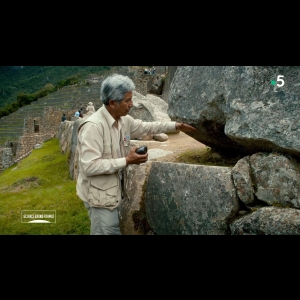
{"type": "Point", "coordinates": [109, 119]}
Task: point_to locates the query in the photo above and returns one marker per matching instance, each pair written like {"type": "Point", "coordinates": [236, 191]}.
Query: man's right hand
{"type": "Point", "coordinates": [134, 158]}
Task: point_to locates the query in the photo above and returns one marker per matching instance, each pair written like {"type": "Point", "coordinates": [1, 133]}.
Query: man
{"type": "Point", "coordinates": [104, 152]}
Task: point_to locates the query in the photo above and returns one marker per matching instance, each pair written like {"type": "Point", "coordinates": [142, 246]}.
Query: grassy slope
{"type": "Point", "coordinates": [41, 182]}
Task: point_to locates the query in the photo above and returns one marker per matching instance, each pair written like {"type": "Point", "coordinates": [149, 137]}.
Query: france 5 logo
{"type": "Point", "coordinates": [277, 83]}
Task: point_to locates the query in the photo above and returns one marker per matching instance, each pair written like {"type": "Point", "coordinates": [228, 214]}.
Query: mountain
{"type": "Point", "coordinates": [29, 79]}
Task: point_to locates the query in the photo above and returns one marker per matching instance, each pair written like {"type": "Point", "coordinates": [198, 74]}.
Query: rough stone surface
{"type": "Point", "coordinates": [268, 221]}
{"type": "Point", "coordinates": [161, 137]}
{"type": "Point", "coordinates": [237, 108]}
{"type": "Point", "coordinates": [277, 179]}
{"type": "Point", "coordinates": [241, 174]}
{"type": "Point", "coordinates": [149, 108]}
{"type": "Point", "coordinates": [168, 81]}
{"type": "Point", "coordinates": [157, 85]}
{"type": "Point", "coordinates": [137, 175]}
{"type": "Point", "coordinates": [65, 134]}
{"type": "Point", "coordinates": [183, 199]}
{"type": "Point", "coordinates": [6, 158]}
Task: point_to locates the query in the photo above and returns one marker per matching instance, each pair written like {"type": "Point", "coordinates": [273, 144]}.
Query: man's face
{"type": "Point", "coordinates": [124, 107]}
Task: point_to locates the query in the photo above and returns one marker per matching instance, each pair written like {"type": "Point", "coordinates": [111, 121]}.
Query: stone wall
{"type": "Point", "coordinates": [26, 144]}
{"type": "Point", "coordinates": [36, 131]}
{"type": "Point", "coordinates": [13, 145]}
{"type": "Point", "coordinates": [40, 129]}
{"type": "Point", "coordinates": [6, 158]}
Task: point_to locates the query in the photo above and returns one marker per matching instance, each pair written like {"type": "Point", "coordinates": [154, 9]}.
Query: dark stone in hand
{"type": "Point", "coordinates": [141, 150]}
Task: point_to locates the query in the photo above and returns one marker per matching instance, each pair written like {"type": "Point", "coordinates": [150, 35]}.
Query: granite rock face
{"type": "Point", "coordinates": [168, 81]}
{"type": "Point", "coordinates": [269, 177]}
{"type": "Point", "coordinates": [184, 199]}
{"type": "Point", "coordinates": [268, 221]}
{"type": "Point", "coordinates": [277, 179]}
{"type": "Point", "coordinates": [236, 108]}
{"type": "Point", "coordinates": [149, 108]}
{"type": "Point", "coordinates": [241, 174]}
{"type": "Point", "coordinates": [132, 206]}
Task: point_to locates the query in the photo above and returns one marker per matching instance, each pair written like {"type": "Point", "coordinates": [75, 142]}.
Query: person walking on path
{"type": "Point", "coordinates": [90, 108]}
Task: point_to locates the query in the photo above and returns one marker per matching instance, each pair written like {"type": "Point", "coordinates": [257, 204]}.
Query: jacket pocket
{"type": "Point", "coordinates": [103, 191]}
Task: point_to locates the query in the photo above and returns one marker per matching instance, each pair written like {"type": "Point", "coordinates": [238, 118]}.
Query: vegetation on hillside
{"type": "Point", "coordinates": [21, 85]}
{"type": "Point", "coordinates": [41, 182]}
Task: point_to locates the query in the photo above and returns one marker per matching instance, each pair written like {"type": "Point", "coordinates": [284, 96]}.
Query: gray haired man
{"type": "Point", "coordinates": [105, 152]}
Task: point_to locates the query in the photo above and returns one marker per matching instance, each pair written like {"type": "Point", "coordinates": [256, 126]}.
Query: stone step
{"type": "Point", "coordinates": [15, 124]}
{"type": "Point", "coordinates": [27, 113]}
{"type": "Point", "coordinates": [15, 119]}
{"type": "Point", "coordinates": [12, 132]}
{"type": "Point", "coordinates": [2, 134]}
{"type": "Point", "coordinates": [8, 134]}
{"type": "Point", "coordinates": [10, 127]}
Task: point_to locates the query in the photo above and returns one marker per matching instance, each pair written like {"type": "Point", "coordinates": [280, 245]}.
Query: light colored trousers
{"type": "Point", "coordinates": [103, 221]}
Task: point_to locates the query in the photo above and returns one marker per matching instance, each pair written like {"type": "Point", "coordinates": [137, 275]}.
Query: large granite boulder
{"type": "Point", "coordinates": [149, 108]}
{"type": "Point", "coordinates": [239, 108]}
{"type": "Point", "coordinates": [184, 199]}
{"type": "Point", "coordinates": [268, 221]}
{"type": "Point", "coordinates": [269, 177]}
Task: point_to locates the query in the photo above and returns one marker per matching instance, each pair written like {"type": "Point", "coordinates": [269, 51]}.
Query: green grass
{"type": "Point", "coordinates": [41, 181]}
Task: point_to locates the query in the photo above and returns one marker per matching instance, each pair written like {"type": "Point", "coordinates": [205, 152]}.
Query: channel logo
{"type": "Point", "coordinates": [38, 216]}
{"type": "Point", "coordinates": [279, 82]}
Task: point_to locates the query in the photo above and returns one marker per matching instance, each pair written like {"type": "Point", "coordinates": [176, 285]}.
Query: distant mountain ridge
{"type": "Point", "coordinates": [29, 79]}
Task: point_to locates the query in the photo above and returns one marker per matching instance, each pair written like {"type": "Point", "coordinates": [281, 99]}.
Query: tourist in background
{"type": "Point", "coordinates": [90, 108]}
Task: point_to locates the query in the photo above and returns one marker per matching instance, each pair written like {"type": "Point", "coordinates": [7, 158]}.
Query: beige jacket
{"type": "Point", "coordinates": [98, 180]}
